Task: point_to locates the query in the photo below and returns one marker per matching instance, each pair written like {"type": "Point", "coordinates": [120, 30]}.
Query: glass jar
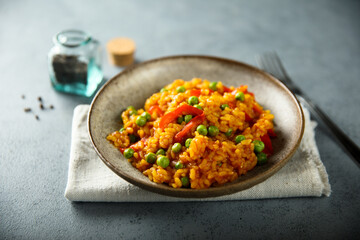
{"type": "Point", "coordinates": [75, 63]}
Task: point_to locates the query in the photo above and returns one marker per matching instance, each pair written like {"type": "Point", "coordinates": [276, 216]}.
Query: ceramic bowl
{"type": "Point", "coordinates": [136, 83]}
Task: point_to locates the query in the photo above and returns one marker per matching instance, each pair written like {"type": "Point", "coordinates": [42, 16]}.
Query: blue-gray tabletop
{"type": "Point", "coordinates": [318, 41]}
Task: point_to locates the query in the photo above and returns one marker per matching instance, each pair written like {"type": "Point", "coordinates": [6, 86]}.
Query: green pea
{"type": "Point", "coordinates": [129, 153]}
{"type": "Point", "coordinates": [122, 129]}
{"type": "Point", "coordinates": [188, 142]}
{"type": "Point", "coordinates": [179, 165]}
{"type": "Point", "coordinates": [163, 90]}
{"type": "Point", "coordinates": [212, 86]}
{"type": "Point", "coordinates": [132, 110]}
{"type": "Point", "coordinates": [140, 121]}
{"type": "Point", "coordinates": [240, 96]}
{"type": "Point", "coordinates": [213, 131]}
{"type": "Point", "coordinates": [146, 115]}
{"type": "Point", "coordinates": [160, 152]}
{"type": "Point", "coordinates": [132, 138]}
{"type": "Point", "coordinates": [176, 147]}
{"type": "Point", "coordinates": [261, 158]}
{"type": "Point", "coordinates": [193, 100]}
{"type": "Point", "coordinates": [185, 181]}
{"type": "Point", "coordinates": [228, 132]}
{"type": "Point", "coordinates": [187, 118]}
{"type": "Point", "coordinates": [223, 106]}
{"type": "Point", "coordinates": [198, 106]}
{"type": "Point", "coordinates": [163, 161]}
{"type": "Point", "coordinates": [150, 157]}
{"type": "Point", "coordinates": [180, 89]}
{"type": "Point", "coordinates": [258, 146]}
{"type": "Point", "coordinates": [202, 130]}
{"type": "Point", "coordinates": [239, 138]}
{"type": "Point", "coordinates": [180, 120]}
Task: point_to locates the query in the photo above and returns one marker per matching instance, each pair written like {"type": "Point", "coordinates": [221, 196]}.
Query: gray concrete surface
{"type": "Point", "coordinates": [319, 42]}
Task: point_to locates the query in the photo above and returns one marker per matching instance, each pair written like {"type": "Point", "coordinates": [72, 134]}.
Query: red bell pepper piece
{"type": "Point", "coordinates": [247, 118]}
{"type": "Point", "coordinates": [268, 146]}
{"type": "Point", "coordinates": [242, 88]}
{"type": "Point", "coordinates": [271, 133]}
{"type": "Point", "coordinates": [157, 109]}
{"type": "Point", "coordinates": [257, 108]}
{"type": "Point", "coordinates": [232, 105]}
{"type": "Point", "coordinates": [133, 145]}
{"type": "Point", "coordinates": [182, 110]}
{"type": "Point", "coordinates": [123, 149]}
{"type": "Point", "coordinates": [226, 89]}
{"type": "Point", "coordinates": [195, 92]}
{"type": "Point", "coordinates": [180, 136]}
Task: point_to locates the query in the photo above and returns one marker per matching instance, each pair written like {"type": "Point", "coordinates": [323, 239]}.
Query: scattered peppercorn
{"type": "Point", "coordinates": [41, 106]}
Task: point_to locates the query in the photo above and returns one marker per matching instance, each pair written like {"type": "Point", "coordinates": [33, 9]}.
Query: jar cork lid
{"type": "Point", "coordinates": [121, 51]}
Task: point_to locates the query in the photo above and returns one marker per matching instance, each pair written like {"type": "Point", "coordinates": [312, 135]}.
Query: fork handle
{"type": "Point", "coordinates": [345, 142]}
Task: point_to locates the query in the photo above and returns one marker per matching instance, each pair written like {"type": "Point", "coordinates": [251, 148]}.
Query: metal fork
{"type": "Point", "coordinates": [270, 62]}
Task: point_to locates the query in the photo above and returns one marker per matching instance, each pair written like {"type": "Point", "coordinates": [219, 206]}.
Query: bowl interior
{"type": "Point", "coordinates": [134, 85]}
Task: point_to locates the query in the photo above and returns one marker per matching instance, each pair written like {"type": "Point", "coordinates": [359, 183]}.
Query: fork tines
{"type": "Point", "coordinates": [270, 62]}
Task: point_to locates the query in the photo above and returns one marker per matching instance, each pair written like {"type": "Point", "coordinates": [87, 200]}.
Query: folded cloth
{"type": "Point", "coordinates": [90, 180]}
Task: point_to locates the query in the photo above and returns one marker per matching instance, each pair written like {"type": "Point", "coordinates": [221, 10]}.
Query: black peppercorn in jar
{"type": "Point", "coordinates": [75, 63]}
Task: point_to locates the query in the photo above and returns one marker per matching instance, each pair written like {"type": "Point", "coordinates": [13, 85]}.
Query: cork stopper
{"type": "Point", "coordinates": [121, 51]}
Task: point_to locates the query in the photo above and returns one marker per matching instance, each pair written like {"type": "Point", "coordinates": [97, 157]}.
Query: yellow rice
{"type": "Point", "coordinates": [209, 161]}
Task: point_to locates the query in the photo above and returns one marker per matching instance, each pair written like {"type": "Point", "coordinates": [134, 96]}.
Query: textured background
{"type": "Point", "coordinates": [318, 42]}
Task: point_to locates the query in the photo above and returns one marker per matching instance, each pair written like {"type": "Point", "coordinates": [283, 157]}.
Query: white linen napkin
{"type": "Point", "coordinates": [89, 180]}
